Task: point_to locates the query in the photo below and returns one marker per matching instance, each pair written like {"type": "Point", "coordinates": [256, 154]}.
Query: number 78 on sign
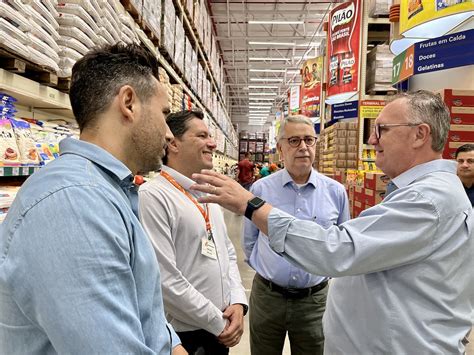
{"type": "Point", "coordinates": [403, 65]}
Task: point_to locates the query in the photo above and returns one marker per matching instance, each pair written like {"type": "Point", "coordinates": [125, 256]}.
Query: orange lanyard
{"type": "Point", "coordinates": [204, 213]}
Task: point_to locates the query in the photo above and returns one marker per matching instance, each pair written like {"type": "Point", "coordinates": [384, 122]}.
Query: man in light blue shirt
{"type": "Point", "coordinates": [77, 272]}
{"type": "Point", "coordinates": [284, 297]}
{"type": "Point", "coordinates": [404, 282]}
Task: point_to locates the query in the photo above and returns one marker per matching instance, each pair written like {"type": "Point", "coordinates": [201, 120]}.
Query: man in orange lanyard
{"type": "Point", "coordinates": [202, 291]}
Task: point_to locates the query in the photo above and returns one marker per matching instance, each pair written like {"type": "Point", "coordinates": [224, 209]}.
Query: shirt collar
{"type": "Point", "coordinates": [418, 171]}
{"type": "Point", "coordinates": [286, 178]}
{"type": "Point", "coordinates": [97, 155]}
{"type": "Point", "coordinates": [184, 181]}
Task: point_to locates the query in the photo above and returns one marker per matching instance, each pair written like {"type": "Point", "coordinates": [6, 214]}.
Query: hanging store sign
{"type": "Point", "coordinates": [450, 51]}
{"type": "Point", "coordinates": [344, 48]}
{"type": "Point", "coordinates": [344, 111]}
{"type": "Point", "coordinates": [312, 71]}
{"type": "Point", "coordinates": [417, 12]}
{"type": "Point", "coordinates": [294, 99]}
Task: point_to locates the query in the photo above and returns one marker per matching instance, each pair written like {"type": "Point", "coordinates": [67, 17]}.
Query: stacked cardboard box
{"type": "Point", "coordinates": [152, 16]}
{"type": "Point", "coordinates": [375, 186]}
{"type": "Point", "coordinates": [165, 81]}
{"type": "Point", "coordinates": [188, 60]}
{"type": "Point", "coordinates": [338, 147]}
{"type": "Point", "coordinates": [379, 8]}
{"type": "Point", "coordinates": [461, 108]}
{"type": "Point", "coordinates": [177, 98]}
{"type": "Point", "coordinates": [179, 41]}
{"type": "Point", "coordinates": [379, 69]}
{"type": "Point", "coordinates": [168, 23]}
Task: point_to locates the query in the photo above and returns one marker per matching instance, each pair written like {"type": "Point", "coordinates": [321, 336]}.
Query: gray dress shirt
{"type": "Point", "coordinates": [404, 268]}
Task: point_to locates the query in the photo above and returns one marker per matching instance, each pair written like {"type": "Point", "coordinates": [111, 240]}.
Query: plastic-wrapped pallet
{"type": "Point", "coordinates": [379, 7]}
{"type": "Point", "coordinates": [379, 69]}
{"type": "Point", "coordinates": [188, 60]}
{"type": "Point", "coordinates": [13, 27]}
{"type": "Point", "coordinates": [194, 73]}
{"type": "Point", "coordinates": [179, 45]}
{"type": "Point", "coordinates": [197, 19]}
{"type": "Point", "coordinates": [152, 16]}
{"type": "Point", "coordinates": [168, 26]}
{"type": "Point", "coordinates": [129, 34]}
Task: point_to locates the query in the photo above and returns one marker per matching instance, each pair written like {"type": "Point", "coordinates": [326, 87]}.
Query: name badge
{"type": "Point", "coordinates": [208, 248]}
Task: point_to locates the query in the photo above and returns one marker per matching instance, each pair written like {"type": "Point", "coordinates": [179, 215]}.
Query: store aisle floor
{"type": "Point", "coordinates": [234, 227]}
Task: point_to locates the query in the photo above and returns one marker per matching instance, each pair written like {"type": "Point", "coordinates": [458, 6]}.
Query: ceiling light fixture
{"type": "Point", "coordinates": [261, 99]}
{"type": "Point", "coordinates": [275, 22]}
{"type": "Point", "coordinates": [273, 80]}
{"type": "Point", "coordinates": [259, 59]}
{"type": "Point", "coordinates": [263, 87]}
{"type": "Point", "coordinates": [274, 43]}
{"type": "Point", "coordinates": [267, 70]}
{"type": "Point", "coordinates": [262, 94]}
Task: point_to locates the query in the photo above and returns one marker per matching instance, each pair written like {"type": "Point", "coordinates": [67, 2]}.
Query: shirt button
{"type": "Point", "coordinates": [298, 209]}
{"type": "Point", "coordinates": [299, 193]}
{"type": "Point", "coordinates": [294, 278]}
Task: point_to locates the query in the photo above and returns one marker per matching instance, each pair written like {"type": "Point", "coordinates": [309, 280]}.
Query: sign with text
{"type": "Point", "coordinates": [345, 110]}
{"type": "Point", "coordinates": [344, 48]}
{"type": "Point", "coordinates": [294, 99]}
{"type": "Point", "coordinates": [371, 108]}
{"type": "Point", "coordinates": [312, 71]}
{"type": "Point", "coordinates": [417, 12]}
{"type": "Point", "coordinates": [450, 51]}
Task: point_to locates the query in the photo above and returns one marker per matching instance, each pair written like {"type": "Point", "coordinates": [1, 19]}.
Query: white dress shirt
{"type": "Point", "coordinates": [196, 288]}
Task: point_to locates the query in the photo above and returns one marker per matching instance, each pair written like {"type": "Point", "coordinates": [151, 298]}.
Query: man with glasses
{"type": "Point", "coordinates": [284, 297]}
{"type": "Point", "coordinates": [403, 269]}
{"type": "Point", "coordinates": [465, 157]}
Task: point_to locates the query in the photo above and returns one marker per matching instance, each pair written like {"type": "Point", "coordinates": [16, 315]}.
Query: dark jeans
{"type": "Point", "coordinates": [200, 342]}
{"type": "Point", "coordinates": [272, 316]}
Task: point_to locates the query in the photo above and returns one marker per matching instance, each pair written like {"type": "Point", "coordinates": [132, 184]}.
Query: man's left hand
{"type": "Point", "coordinates": [235, 328]}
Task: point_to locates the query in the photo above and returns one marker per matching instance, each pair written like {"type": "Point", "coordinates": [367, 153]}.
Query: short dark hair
{"type": "Point", "coordinates": [178, 124]}
{"type": "Point", "coordinates": [98, 76]}
{"type": "Point", "coordinates": [464, 148]}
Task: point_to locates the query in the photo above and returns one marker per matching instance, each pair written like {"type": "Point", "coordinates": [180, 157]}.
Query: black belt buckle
{"type": "Point", "coordinates": [296, 292]}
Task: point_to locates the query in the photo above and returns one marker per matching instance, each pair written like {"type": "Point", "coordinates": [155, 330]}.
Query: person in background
{"type": "Point", "coordinates": [285, 298]}
{"type": "Point", "coordinates": [265, 170]}
{"type": "Point", "coordinates": [202, 291]}
{"type": "Point", "coordinates": [274, 168]}
{"type": "Point", "coordinates": [77, 271]}
{"type": "Point", "coordinates": [465, 157]}
{"type": "Point", "coordinates": [245, 174]}
{"type": "Point", "coordinates": [403, 269]}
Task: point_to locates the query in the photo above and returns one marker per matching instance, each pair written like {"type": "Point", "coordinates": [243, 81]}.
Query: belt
{"type": "Point", "coordinates": [293, 293]}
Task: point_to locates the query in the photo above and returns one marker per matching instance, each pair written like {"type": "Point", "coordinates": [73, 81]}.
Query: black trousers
{"type": "Point", "coordinates": [201, 342]}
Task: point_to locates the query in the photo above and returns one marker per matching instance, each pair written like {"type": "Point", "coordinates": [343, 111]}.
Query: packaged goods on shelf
{"type": "Point", "coordinates": [461, 108]}
{"type": "Point", "coordinates": [73, 32]}
{"type": "Point", "coordinates": [379, 7]}
{"type": "Point", "coordinates": [14, 14]}
{"type": "Point", "coordinates": [194, 71]}
{"type": "Point", "coordinates": [9, 152]}
{"type": "Point", "coordinates": [197, 18]}
{"type": "Point", "coordinates": [77, 11]}
{"type": "Point", "coordinates": [25, 142]}
{"type": "Point", "coordinates": [152, 16]}
{"type": "Point", "coordinates": [179, 45]}
{"type": "Point", "coordinates": [379, 69]}
{"type": "Point", "coordinates": [69, 20]}
{"type": "Point", "coordinates": [7, 195]}
{"type": "Point", "coordinates": [188, 59]}
{"type": "Point", "coordinates": [14, 39]}
{"type": "Point", "coordinates": [72, 43]}
{"type": "Point", "coordinates": [168, 26]}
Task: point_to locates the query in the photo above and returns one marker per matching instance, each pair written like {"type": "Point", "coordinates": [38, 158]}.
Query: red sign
{"type": "Point", "coordinates": [311, 87]}
{"type": "Point", "coordinates": [344, 48]}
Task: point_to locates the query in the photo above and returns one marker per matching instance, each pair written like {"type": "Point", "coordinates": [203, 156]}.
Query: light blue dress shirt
{"type": "Point", "coordinates": [77, 272]}
{"type": "Point", "coordinates": [321, 199]}
{"type": "Point", "coordinates": [404, 268]}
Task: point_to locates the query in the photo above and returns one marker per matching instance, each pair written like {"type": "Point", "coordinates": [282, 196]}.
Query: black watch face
{"type": "Point", "coordinates": [256, 202]}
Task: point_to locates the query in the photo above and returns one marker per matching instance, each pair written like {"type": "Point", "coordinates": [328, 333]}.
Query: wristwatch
{"type": "Point", "coordinates": [253, 205]}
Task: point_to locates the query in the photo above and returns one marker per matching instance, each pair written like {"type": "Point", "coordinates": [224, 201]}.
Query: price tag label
{"type": "Point", "coordinates": [1, 171]}
{"type": "Point", "coordinates": [24, 171]}
{"type": "Point", "coordinates": [15, 171]}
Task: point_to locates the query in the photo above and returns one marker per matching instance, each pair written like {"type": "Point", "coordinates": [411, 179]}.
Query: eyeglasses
{"type": "Point", "coordinates": [378, 126]}
{"type": "Point", "coordinates": [296, 141]}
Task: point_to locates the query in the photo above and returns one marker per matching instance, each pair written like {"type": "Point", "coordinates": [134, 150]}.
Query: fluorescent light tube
{"type": "Point", "coordinates": [274, 43]}
{"type": "Point", "coordinates": [267, 70]}
{"type": "Point", "coordinates": [275, 22]}
{"type": "Point", "coordinates": [269, 59]}
{"type": "Point", "coordinates": [274, 80]}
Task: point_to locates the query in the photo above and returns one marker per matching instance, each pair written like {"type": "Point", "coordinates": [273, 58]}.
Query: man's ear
{"type": "Point", "coordinates": [423, 134]}
{"type": "Point", "coordinates": [173, 146]}
{"type": "Point", "coordinates": [279, 150]}
{"type": "Point", "coordinates": [128, 103]}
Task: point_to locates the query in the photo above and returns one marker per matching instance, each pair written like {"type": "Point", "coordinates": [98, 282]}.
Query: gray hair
{"type": "Point", "coordinates": [427, 107]}
{"type": "Point", "coordinates": [293, 119]}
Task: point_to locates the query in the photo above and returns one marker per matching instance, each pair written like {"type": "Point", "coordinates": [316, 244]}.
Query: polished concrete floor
{"type": "Point", "coordinates": [234, 226]}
